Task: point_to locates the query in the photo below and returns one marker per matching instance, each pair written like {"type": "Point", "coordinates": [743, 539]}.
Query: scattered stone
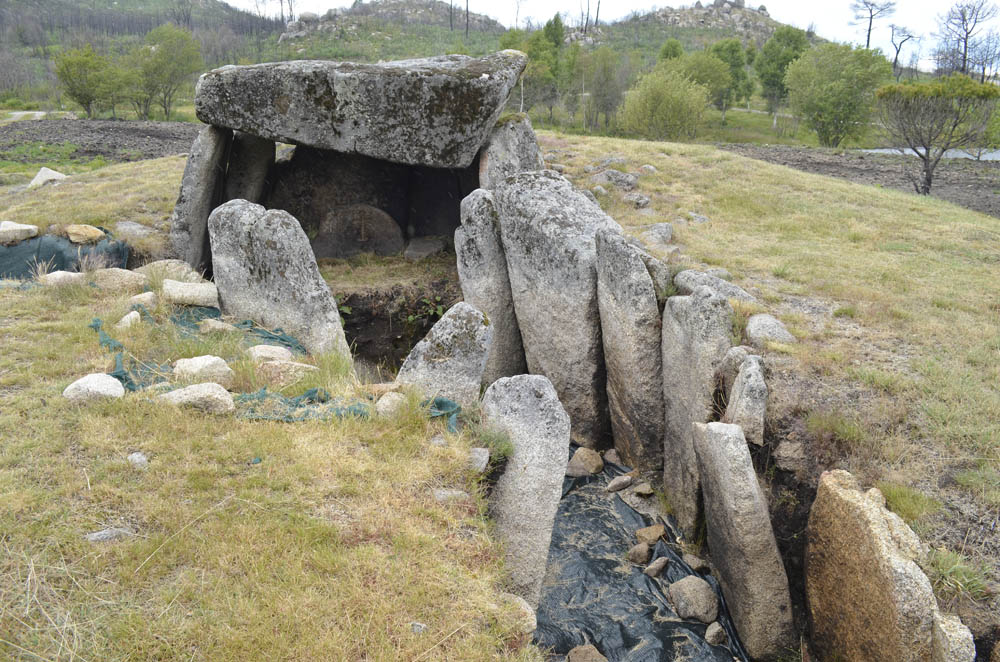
{"type": "Point", "coordinates": [749, 566]}
{"type": "Point", "coordinates": [173, 269]}
{"type": "Point", "coordinates": [610, 161]}
{"type": "Point", "coordinates": [95, 386]}
{"type": "Point", "coordinates": [651, 534]}
{"type": "Point", "coordinates": [643, 489]}
{"type": "Point", "coordinates": [648, 169]}
{"type": "Point", "coordinates": [658, 235]}
{"type": "Point", "coordinates": [418, 628]}
{"type": "Point", "coordinates": [282, 373]}
{"type": "Point", "coordinates": [178, 293]}
{"type": "Point", "coordinates": [262, 353]}
{"type": "Point", "coordinates": [266, 271]}
{"type": "Point", "coordinates": [619, 483]}
{"type": "Point", "coordinates": [715, 634]}
{"type": "Point", "coordinates": [598, 190]}
{"type": "Point", "coordinates": [526, 496]}
{"type": "Point", "coordinates": [698, 218]}
{"type": "Point", "coordinates": [413, 111]}
{"type": "Point", "coordinates": [442, 495]}
{"type": "Point", "coordinates": [510, 149]}
{"type": "Point", "coordinates": [612, 457]}
{"type": "Point", "coordinates": [63, 278]}
{"type": "Point", "coordinates": [132, 231]}
{"type": "Point", "coordinates": [526, 621]}
{"type": "Point", "coordinates": [719, 272]}
{"type": "Point", "coordinates": [616, 178]}
{"type": "Point", "coordinates": [351, 229]}
{"type": "Point", "coordinates": [250, 160]}
{"type": "Point", "coordinates": [656, 567]}
{"type": "Point", "coordinates": [390, 404]}
{"type": "Point", "coordinates": [763, 328]}
{"type": "Point", "coordinates": [119, 280]}
{"type": "Point", "coordinates": [693, 597]}
{"type": "Point", "coordinates": [747, 404]}
{"type": "Point", "coordinates": [689, 280]}
{"type": "Point", "coordinates": [449, 361]}
{"type": "Point", "coordinates": [479, 459]}
{"type": "Point", "coordinates": [210, 398]}
{"type": "Point", "coordinates": [109, 534]}
{"type": "Point", "coordinates": [209, 325]}
{"type": "Point", "coordinates": [420, 248]}
{"type": "Point", "coordinates": [45, 176]}
{"type": "Point", "coordinates": [637, 200]}
{"type": "Point", "coordinates": [791, 456]}
{"type": "Point", "coordinates": [585, 462]}
{"type": "Point", "coordinates": [586, 653]}
{"type": "Point", "coordinates": [639, 554]}
{"type": "Point", "coordinates": [12, 233]}
{"type": "Point", "coordinates": [204, 369]}
{"type": "Point", "coordinates": [130, 318]}
{"type": "Point", "coordinates": [84, 234]}
{"type": "Point", "coordinates": [138, 460]}
{"type": "Point", "coordinates": [439, 441]}
{"type": "Point", "coordinates": [696, 563]}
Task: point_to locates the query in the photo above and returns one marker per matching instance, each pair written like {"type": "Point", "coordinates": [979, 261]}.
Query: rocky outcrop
{"type": "Point", "coordinates": [435, 111]}
{"type": "Point", "coordinates": [526, 496]}
{"type": "Point", "coordinates": [548, 229]}
{"type": "Point", "coordinates": [482, 272]}
{"type": "Point", "coordinates": [510, 149]}
{"type": "Point", "coordinates": [742, 542]}
{"type": "Point", "coordinates": [265, 271]}
{"type": "Point", "coordinates": [630, 330]}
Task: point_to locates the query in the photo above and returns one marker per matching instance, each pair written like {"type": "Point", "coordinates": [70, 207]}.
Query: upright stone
{"type": "Point", "coordinates": [482, 272]}
{"type": "Point", "coordinates": [747, 401]}
{"type": "Point", "coordinates": [526, 496]}
{"type": "Point", "coordinates": [742, 542]}
{"type": "Point", "coordinates": [250, 161]}
{"type": "Point", "coordinates": [631, 329]}
{"type": "Point", "coordinates": [510, 149]}
{"type": "Point", "coordinates": [696, 337]}
{"type": "Point", "coordinates": [449, 361]}
{"type": "Point", "coordinates": [200, 191]}
{"type": "Point", "coordinates": [548, 231]}
{"type": "Point", "coordinates": [265, 271]}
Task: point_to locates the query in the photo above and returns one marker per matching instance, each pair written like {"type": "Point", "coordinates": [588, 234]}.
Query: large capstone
{"type": "Point", "coordinates": [548, 230]}
{"type": "Point", "coordinates": [265, 271]}
{"type": "Point", "coordinates": [435, 111]}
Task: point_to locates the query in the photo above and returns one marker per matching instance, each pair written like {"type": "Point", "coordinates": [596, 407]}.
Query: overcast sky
{"type": "Point", "coordinates": [832, 18]}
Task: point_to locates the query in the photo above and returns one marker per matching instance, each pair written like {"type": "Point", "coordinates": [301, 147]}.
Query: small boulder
{"type": "Point", "coordinates": [696, 563]}
{"type": "Point", "coordinates": [131, 318]}
{"type": "Point", "coordinates": [132, 231]}
{"type": "Point", "coordinates": [715, 634]}
{"type": "Point", "coordinates": [657, 235]}
{"type": "Point", "coordinates": [63, 278]}
{"type": "Point", "coordinates": [643, 489]}
{"type": "Point", "coordinates": [172, 269]}
{"type": "Point", "coordinates": [598, 190]}
{"type": "Point", "coordinates": [210, 325]}
{"type": "Point", "coordinates": [204, 369]}
{"type": "Point", "coordinates": [636, 200]}
{"type": "Point", "coordinates": [390, 404]}
{"type": "Point", "coordinates": [693, 597]}
{"type": "Point", "coordinates": [656, 568]}
{"type": "Point", "coordinates": [424, 247]}
{"type": "Point", "coordinates": [619, 483]}
{"type": "Point", "coordinates": [586, 653]}
{"type": "Point", "coordinates": [262, 353]}
{"type": "Point", "coordinates": [178, 293]}
{"type": "Point", "coordinates": [689, 280]}
{"type": "Point", "coordinates": [479, 459]}
{"type": "Point", "coordinates": [119, 280]}
{"type": "Point", "coordinates": [96, 386]}
{"type": "Point", "coordinates": [616, 178]}
{"type": "Point", "coordinates": [611, 455]}
{"type": "Point", "coordinates": [210, 398]}
{"type": "Point", "coordinates": [283, 373]}
{"type": "Point", "coordinates": [45, 176]}
{"type": "Point", "coordinates": [763, 328]}
{"type": "Point", "coordinates": [639, 554]}
{"type": "Point", "coordinates": [147, 299]}
{"type": "Point", "coordinates": [651, 534]}
{"type": "Point", "coordinates": [648, 169]}
{"type": "Point", "coordinates": [12, 233]}
{"type": "Point", "coordinates": [109, 535]}
{"type": "Point", "coordinates": [585, 462]}
{"type": "Point", "coordinates": [84, 234]}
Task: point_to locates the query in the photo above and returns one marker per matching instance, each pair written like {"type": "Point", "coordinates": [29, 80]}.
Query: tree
{"type": "Point", "coordinates": [869, 10]}
{"type": "Point", "coordinates": [81, 72]}
{"type": "Point", "coordinates": [164, 63]}
{"type": "Point", "coordinates": [951, 112]}
{"type": "Point", "coordinates": [665, 105]}
{"type": "Point", "coordinates": [731, 52]}
{"type": "Point", "coordinates": [671, 49]}
{"type": "Point", "coordinates": [707, 70]}
{"type": "Point", "coordinates": [542, 73]}
{"type": "Point", "coordinates": [900, 35]}
{"type": "Point", "coordinates": [960, 26]}
{"type": "Point", "coordinates": [784, 47]}
{"type": "Point", "coordinates": [555, 31]}
{"type": "Point", "coordinates": [606, 90]}
{"type": "Point", "coordinates": [832, 87]}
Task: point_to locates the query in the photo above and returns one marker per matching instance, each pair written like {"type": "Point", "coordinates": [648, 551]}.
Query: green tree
{"type": "Point", "coordinates": [731, 52]}
{"type": "Point", "coordinates": [832, 87]}
{"type": "Point", "coordinates": [115, 86]}
{"type": "Point", "coordinates": [605, 86]}
{"type": "Point", "coordinates": [665, 105]}
{"type": "Point", "coordinates": [707, 70]}
{"type": "Point", "coordinates": [81, 72]}
{"type": "Point", "coordinates": [784, 47]}
{"type": "Point", "coordinates": [164, 63]}
{"type": "Point", "coordinates": [542, 73]}
{"type": "Point", "coordinates": [671, 50]}
{"type": "Point", "coordinates": [554, 31]}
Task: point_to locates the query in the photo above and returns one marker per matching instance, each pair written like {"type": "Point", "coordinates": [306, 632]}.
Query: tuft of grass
{"type": "Point", "coordinates": [782, 271]}
{"type": "Point", "coordinates": [846, 311]}
{"type": "Point", "coordinates": [836, 427]}
{"type": "Point", "coordinates": [882, 380]}
{"type": "Point", "coordinates": [953, 575]}
{"type": "Point", "coordinates": [982, 481]}
{"type": "Point", "coordinates": [908, 503]}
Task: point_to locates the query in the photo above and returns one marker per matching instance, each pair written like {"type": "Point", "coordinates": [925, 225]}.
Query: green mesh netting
{"type": "Point", "coordinates": [314, 404]}
{"type": "Point", "coordinates": [189, 317]}
{"type": "Point", "coordinates": [59, 254]}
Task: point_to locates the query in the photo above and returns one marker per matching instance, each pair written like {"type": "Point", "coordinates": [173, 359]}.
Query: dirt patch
{"type": "Point", "coordinates": [113, 140]}
{"type": "Point", "coordinates": [971, 184]}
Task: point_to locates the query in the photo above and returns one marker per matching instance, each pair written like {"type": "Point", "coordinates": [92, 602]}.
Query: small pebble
{"type": "Point", "coordinates": [656, 567]}
{"type": "Point", "coordinates": [619, 483]}
{"type": "Point", "coordinates": [715, 634]}
{"type": "Point", "coordinates": [445, 495]}
{"type": "Point", "coordinates": [479, 459]}
{"type": "Point", "coordinates": [418, 628]}
{"type": "Point", "coordinates": [138, 460]}
{"type": "Point", "coordinates": [639, 554]}
{"type": "Point", "coordinates": [697, 563]}
{"type": "Point", "coordinates": [109, 534]}
{"type": "Point", "coordinates": [643, 489]}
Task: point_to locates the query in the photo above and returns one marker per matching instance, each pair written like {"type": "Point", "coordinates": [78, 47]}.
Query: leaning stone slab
{"type": "Point", "coordinates": [742, 542]}
{"type": "Point", "coordinates": [266, 271]}
{"type": "Point", "coordinates": [450, 360]}
{"type": "Point", "coordinates": [204, 369]}
{"type": "Point", "coordinates": [200, 190]}
{"type": "Point", "coordinates": [482, 273]}
{"type": "Point", "coordinates": [436, 111]}
{"type": "Point", "coordinates": [747, 404]}
{"type": "Point", "coordinates": [631, 330]}
{"type": "Point", "coordinates": [526, 496]}
{"type": "Point", "coordinates": [250, 161]}
{"type": "Point", "coordinates": [548, 229]}
{"type": "Point", "coordinates": [690, 280]}
{"type": "Point", "coordinates": [510, 149]}
{"type": "Point", "coordinates": [96, 386]}
{"type": "Point", "coordinates": [210, 398]}
{"type": "Point", "coordinates": [12, 233]}
{"type": "Point", "coordinates": [178, 293]}
{"type": "Point", "coordinates": [696, 337]}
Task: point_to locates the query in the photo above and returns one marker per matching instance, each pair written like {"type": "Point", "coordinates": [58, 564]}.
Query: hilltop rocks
{"type": "Point", "coordinates": [360, 228]}
{"type": "Point", "coordinates": [526, 496]}
{"type": "Point", "coordinates": [435, 111]}
{"type": "Point", "coordinates": [265, 271]}
{"type": "Point", "coordinates": [449, 361]}
{"type": "Point", "coordinates": [510, 149]}
{"type": "Point", "coordinates": [96, 386]}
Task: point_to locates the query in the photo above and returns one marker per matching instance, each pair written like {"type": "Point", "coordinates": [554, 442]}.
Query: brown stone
{"type": "Point", "coordinates": [693, 597]}
{"type": "Point", "coordinates": [585, 462]}
{"type": "Point", "coordinates": [585, 654]}
{"type": "Point", "coordinates": [359, 228]}
{"type": "Point", "coordinates": [651, 534]}
{"type": "Point", "coordinates": [656, 567]}
{"type": "Point", "coordinates": [83, 234]}
{"type": "Point", "coordinates": [643, 489]}
{"type": "Point", "coordinates": [639, 554]}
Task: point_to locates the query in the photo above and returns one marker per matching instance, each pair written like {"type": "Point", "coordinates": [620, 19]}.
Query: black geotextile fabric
{"type": "Point", "coordinates": [593, 595]}
{"type": "Point", "coordinates": [58, 254]}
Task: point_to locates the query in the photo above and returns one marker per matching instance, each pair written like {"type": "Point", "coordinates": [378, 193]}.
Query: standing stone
{"type": "Point", "coordinates": [449, 361]}
{"type": "Point", "coordinates": [747, 404]}
{"type": "Point", "coordinates": [265, 271]}
{"type": "Point", "coordinates": [630, 329]}
{"type": "Point", "coordinates": [696, 337]}
{"type": "Point", "coordinates": [548, 231]}
{"type": "Point", "coordinates": [353, 229]}
{"type": "Point", "coordinates": [200, 190]}
{"type": "Point", "coordinates": [250, 161]}
{"type": "Point", "coordinates": [526, 496]}
{"type": "Point", "coordinates": [742, 542]}
{"type": "Point", "coordinates": [482, 273]}
{"type": "Point", "coordinates": [510, 149]}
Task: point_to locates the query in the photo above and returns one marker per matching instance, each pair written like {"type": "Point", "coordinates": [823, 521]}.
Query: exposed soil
{"type": "Point", "coordinates": [971, 184]}
{"type": "Point", "coordinates": [112, 140]}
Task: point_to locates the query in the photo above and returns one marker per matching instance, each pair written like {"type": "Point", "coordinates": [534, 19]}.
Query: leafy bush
{"type": "Point", "coordinates": [665, 105]}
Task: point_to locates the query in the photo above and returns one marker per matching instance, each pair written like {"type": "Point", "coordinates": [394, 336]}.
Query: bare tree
{"type": "Point", "coordinates": [466, 20]}
{"type": "Point", "coordinates": [986, 55]}
{"type": "Point", "coordinates": [960, 27]}
{"type": "Point", "coordinates": [517, 13]}
{"type": "Point", "coordinates": [180, 12]}
{"type": "Point", "coordinates": [597, 14]}
{"type": "Point", "coordinates": [900, 35]}
{"type": "Point", "coordinates": [869, 10]}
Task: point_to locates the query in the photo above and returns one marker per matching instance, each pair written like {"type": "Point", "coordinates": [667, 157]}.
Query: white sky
{"type": "Point", "coordinates": [832, 18]}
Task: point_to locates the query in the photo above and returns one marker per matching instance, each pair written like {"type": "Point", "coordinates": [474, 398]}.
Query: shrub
{"type": "Point", "coordinates": [665, 105]}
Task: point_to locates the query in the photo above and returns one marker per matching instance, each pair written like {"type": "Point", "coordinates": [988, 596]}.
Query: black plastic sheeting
{"type": "Point", "coordinates": [593, 595]}
{"type": "Point", "coordinates": [58, 254]}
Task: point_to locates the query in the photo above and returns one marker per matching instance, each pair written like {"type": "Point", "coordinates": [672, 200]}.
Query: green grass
{"type": "Point", "coordinates": [908, 503]}
{"type": "Point", "coordinates": [953, 575]}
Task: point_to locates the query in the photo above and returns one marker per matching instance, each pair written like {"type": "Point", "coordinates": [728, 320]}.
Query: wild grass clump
{"type": "Point", "coordinates": [908, 503]}
{"type": "Point", "coordinates": [953, 575]}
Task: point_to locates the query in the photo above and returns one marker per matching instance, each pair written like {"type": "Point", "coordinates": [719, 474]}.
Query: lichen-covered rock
{"type": "Point", "coordinates": [742, 542]}
{"type": "Point", "coordinates": [210, 398]}
{"type": "Point", "coordinates": [693, 597]}
{"type": "Point", "coordinates": [689, 280]}
{"type": "Point", "coordinates": [204, 369]}
{"type": "Point", "coordinates": [763, 328]}
{"type": "Point", "coordinates": [390, 404]}
{"type": "Point", "coordinates": [178, 270]}
{"type": "Point", "coordinates": [616, 178]}
{"type": "Point", "coordinates": [631, 329]}
{"type": "Point", "coordinates": [199, 187]}
{"type": "Point", "coordinates": [548, 229]}
{"type": "Point", "coordinates": [96, 386]}
{"type": "Point", "coordinates": [250, 161]}
{"type": "Point", "coordinates": [747, 403]}
{"type": "Point", "coordinates": [636, 200]}
{"type": "Point", "coordinates": [354, 229]}
{"type": "Point", "coordinates": [119, 280]}
{"type": "Point", "coordinates": [510, 149]}
{"type": "Point", "coordinates": [526, 496]}
{"type": "Point", "coordinates": [180, 293]}
{"type": "Point", "coordinates": [435, 111]}
{"type": "Point", "coordinates": [12, 233]}
{"type": "Point", "coordinates": [265, 271]}
{"type": "Point", "coordinates": [696, 337]}
{"type": "Point", "coordinates": [449, 361]}
{"type": "Point", "coordinates": [482, 273]}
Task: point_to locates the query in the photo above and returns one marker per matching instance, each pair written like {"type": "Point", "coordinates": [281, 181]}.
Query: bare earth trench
{"type": "Point", "coordinates": [113, 140]}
